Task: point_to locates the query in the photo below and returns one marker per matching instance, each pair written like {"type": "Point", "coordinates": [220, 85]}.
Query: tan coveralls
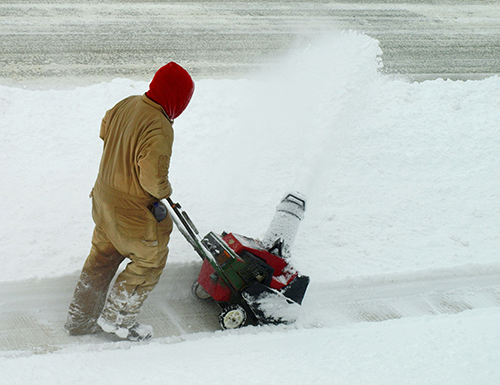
{"type": "Point", "coordinates": [133, 173]}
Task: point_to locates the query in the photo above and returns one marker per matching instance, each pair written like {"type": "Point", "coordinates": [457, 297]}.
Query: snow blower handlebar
{"type": "Point", "coordinates": [183, 218]}
{"type": "Point", "coordinates": [186, 226]}
{"type": "Point", "coordinates": [208, 247]}
{"type": "Point", "coordinates": [202, 246]}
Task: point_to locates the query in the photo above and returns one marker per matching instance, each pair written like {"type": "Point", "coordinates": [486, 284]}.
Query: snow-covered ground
{"type": "Point", "coordinates": [401, 178]}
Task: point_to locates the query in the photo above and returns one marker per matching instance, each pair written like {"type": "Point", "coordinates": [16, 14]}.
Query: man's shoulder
{"type": "Point", "coordinates": [153, 120]}
{"type": "Point", "coordinates": [137, 105]}
{"type": "Point", "coordinates": [125, 103]}
{"type": "Point", "coordinates": [143, 103]}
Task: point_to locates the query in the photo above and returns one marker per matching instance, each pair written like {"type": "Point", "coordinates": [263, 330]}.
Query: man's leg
{"type": "Point", "coordinates": [92, 287]}
{"type": "Point", "coordinates": [134, 284]}
{"type": "Point", "coordinates": [129, 292]}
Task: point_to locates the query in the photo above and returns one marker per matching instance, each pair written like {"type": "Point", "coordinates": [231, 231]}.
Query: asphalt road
{"type": "Point", "coordinates": [86, 41]}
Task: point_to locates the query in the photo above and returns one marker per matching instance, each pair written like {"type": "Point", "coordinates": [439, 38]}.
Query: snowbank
{"type": "Point", "coordinates": [399, 176]}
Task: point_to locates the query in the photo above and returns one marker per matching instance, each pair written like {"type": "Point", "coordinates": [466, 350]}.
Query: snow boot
{"type": "Point", "coordinates": [79, 327]}
{"type": "Point", "coordinates": [138, 332]}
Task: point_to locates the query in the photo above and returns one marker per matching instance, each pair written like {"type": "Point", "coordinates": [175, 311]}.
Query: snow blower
{"type": "Point", "coordinates": [251, 280]}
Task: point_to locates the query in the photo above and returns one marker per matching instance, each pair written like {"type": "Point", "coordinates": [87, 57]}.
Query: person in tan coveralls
{"type": "Point", "coordinates": [133, 174]}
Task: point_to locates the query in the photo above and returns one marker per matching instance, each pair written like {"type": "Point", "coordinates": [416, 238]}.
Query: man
{"type": "Point", "coordinates": [133, 177]}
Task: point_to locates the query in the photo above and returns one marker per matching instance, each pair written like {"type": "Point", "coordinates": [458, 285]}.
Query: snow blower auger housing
{"type": "Point", "coordinates": [250, 280]}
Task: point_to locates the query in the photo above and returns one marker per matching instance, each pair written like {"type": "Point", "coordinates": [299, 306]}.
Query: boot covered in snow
{"type": "Point", "coordinates": [138, 332]}
{"type": "Point", "coordinates": [121, 311]}
{"type": "Point", "coordinates": [87, 303]}
{"type": "Point", "coordinates": [77, 324]}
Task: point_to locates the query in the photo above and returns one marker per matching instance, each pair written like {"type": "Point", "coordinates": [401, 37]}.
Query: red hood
{"type": "Point", "coordinates": [172, 88]}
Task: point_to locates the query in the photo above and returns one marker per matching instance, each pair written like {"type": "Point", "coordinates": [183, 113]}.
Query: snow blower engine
{"type": "Point", "coordinates": [251, 280]}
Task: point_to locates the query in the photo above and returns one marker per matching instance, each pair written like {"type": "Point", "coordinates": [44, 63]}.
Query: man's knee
{"type": "Point", "coordinates": [137, 274]}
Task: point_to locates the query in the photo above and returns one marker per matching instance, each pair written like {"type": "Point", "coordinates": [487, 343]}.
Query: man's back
{"type": "Point", "coordinates": [138, 139]}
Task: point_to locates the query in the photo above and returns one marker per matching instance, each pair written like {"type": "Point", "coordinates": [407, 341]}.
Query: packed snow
{"type": "Point", "coordinates": [401, 181]}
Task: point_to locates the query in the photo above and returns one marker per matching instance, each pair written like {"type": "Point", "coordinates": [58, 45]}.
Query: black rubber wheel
{"type": "Point", "coordinates": [232, 317]}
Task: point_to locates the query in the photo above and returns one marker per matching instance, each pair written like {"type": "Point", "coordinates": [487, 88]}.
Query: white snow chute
{"type": "Point", "coordinates": [283, 228]}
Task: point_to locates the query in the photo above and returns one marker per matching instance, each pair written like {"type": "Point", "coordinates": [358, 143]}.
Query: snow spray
{"type": "Point", "coordinates": [322, 90]}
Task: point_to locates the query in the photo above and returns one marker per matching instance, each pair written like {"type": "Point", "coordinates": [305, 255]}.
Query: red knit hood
{"type": "Point", "coordinates": [172, 88]}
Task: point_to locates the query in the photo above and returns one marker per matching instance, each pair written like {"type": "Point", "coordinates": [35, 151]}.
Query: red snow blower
{"type": "Point", "coordinates": [250, 280]}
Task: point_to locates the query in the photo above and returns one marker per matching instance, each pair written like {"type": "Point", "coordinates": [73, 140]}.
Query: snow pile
{"type": "Point", "coordinates": [401, 178]}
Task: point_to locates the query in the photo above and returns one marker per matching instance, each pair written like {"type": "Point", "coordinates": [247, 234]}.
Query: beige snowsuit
{"type": "Point", "coordinates": [133, 173]}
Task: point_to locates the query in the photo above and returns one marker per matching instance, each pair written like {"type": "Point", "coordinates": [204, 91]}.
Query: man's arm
{"type": "Point", "coordinates": [154, 163]}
